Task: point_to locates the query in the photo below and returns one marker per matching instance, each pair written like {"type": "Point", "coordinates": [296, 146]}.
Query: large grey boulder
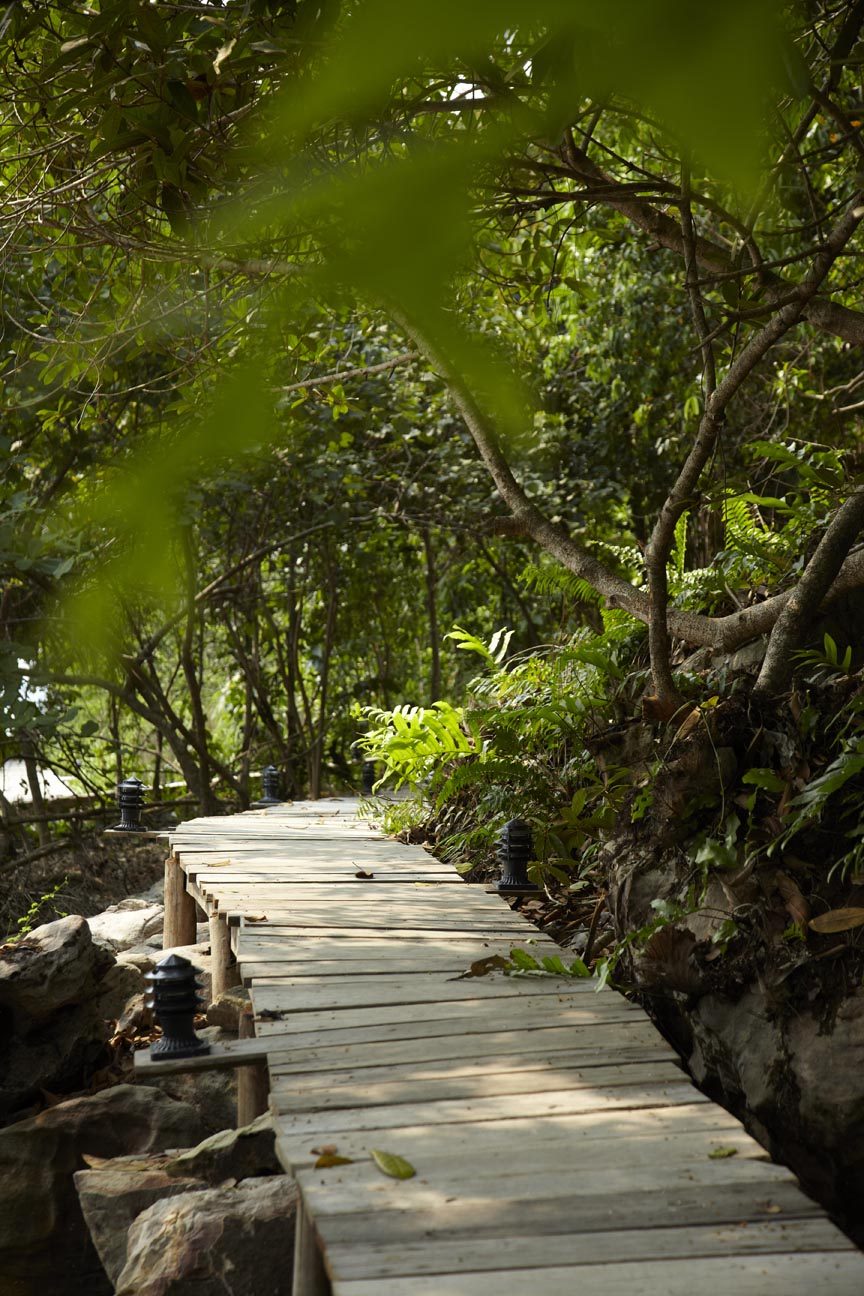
{"type": "Point", "coordinates": [231, 1241]}
{"type": "Point", "coordinates": [54, 966]}
{"type": "Point", "coordinates": [226, 1009]}
{"type": "Point", "coordinates": [53, 1023]}
{"type": "Point", "coordinates": [121, 983]}
{"type": "Point", "coordinates": [145, 958]}
{"type": "Point", "coordinates": [113, 1196]}
{"type": "Point", "coordinates": [213, 1094]}
{"type": "Point", "coordinates": [127, 924]}
{"type": "Point", "coordinates": [245, 1153]}
{"type": "Point", "coordinates": [115, 1193]}
{"type": "Point", "coordinates": [44, 1243]}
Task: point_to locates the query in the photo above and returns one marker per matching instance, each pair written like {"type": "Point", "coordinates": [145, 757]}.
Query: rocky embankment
{"type": "Point", "coordinates": [112, 1187]}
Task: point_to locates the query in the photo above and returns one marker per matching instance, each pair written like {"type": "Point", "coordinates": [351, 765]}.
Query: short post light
{"type": "Point", "coordinates": [130, 802]}
{"type": "Point", "coordinates": [175, 1000]}
{"type": "Point", "coordinates": [269, 788]}
{"type": "Point", "coordinates": [514, 852]}
{"type": "Point", "coordinates": [367, 783]}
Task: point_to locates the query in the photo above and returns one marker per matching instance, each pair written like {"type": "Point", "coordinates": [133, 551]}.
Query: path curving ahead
{"type": "Point", "coordinates": [557, 1145]}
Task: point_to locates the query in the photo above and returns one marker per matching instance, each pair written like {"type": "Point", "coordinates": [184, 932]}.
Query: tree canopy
{"type": "Point", "coordinates": [345, 323]}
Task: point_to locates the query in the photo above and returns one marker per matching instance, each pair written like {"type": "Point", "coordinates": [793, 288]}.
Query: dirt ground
{"type": "Point", "coordinates": [87, 876]}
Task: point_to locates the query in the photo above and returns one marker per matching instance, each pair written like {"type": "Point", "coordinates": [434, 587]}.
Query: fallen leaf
{"type": "Point", "coordinates": [838, 920]}
{"type": "Point", "coordinates": [773, 1209]}
{"type": "Point", "coordinates": [689, 723]}
{"type": "Point", "coordinates": [483, 967]}
{"type": "Point", "coordinates": [721, 1153]}
{"type": "Point", "coordinates": [254, 918]}
{"type": "Point", "coordinates": [796, 906]}
{"type": "Point", "coordinates": [394, 1166]}
{"type": "Point", "coordinates": [328, 1159]}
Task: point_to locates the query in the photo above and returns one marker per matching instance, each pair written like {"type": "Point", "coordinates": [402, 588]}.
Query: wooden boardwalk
{"type": "Point", "coordinates": [558, 1146]}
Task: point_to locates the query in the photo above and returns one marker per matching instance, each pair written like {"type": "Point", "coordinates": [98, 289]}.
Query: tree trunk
{"type": "Point", "coordinates": [28, 751]}
{"type": "Point", "coordinates": [432, 615]}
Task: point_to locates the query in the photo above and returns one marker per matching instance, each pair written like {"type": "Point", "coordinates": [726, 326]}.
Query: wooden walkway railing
{"type": "Point", "coordinates": [557, 1145]}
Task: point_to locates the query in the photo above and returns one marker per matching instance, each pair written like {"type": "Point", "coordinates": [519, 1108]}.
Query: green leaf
{"type": "Point", "coordinates": [524, 961]}
{"type": "Point", "coordinates": [396, 1167]}
{"type": "Point", "coordinates": [722, 1153]}
{"type": "Point", "coordinates": [765, 779]}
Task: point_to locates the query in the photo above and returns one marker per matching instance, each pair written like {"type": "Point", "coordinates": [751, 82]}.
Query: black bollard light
{"type": "Point", "coordinates": [367, 785]}
{"type": "Point", "coordinates": [269, 788]}
{"type": "Point", "coordinates": [175, 1000]}
{"type": "Point", "coordinates": [514, 853]}
{"type": "Point", "coordinates": [130, 802]}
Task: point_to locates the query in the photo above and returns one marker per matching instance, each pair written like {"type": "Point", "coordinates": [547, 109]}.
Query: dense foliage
{"type": "Point", "coordinates": [328, 328]}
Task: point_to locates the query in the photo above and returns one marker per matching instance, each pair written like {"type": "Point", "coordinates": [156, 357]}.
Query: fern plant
{"type": "Point", "coordinates": [517, 748]}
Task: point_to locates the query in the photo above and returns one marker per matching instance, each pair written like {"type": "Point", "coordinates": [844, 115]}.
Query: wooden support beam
{"type": "Point", "coordinates": [236, 1053]}
{"type": "Point", "coordinates": [253, 1082]}
{"type": "Point", "coordinates": [224, 970]}
{"type": "Point", "coordinates": [180, 924]}
{"type": "Point", "coordinates": [310, 1276]}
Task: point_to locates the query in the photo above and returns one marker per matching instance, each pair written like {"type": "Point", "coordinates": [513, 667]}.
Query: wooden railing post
{"type": "Point", "coordinates": [253, 1082]}
{"type": "Point", "coordinates": [180, 924]}
{"type": "Point", "coordinates": [310, 1276]}
{"type": "Point", "coordinates": [223, 966]}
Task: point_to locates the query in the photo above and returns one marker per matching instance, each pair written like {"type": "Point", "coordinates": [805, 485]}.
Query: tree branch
{"type": "Point", "coordinates": [804, 601]}
{"type": "Point", "coordinates": [826, 315]}
{"type": "Point", "coordinates": [361, 372]}
{"type": "Point", "coordinates": [681, 495]}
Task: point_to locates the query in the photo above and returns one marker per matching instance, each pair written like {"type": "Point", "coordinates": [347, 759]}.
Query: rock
{"type": "Point", "coordinates": [121, 983]}
{"type": "Point", "coordinates": [57, 1057]}
{"type": "Point", "coordinates": [52, 1024]}
{"type": "Point", "coordinates": [145, 958]}
{"type": "Point", "coordinates": [136, 1018]}
{"type": "Point", "coordinates": [154, 894]}
{"type": "Point", "coordinates": [221, 1242]}
{"type": "Point", "coordinates": [245, 1153]}
{"type": "Point", "coordinates": [56, 965]}
{"type": "Point", "coordinates": [225, 1011]}
{"type": "Point", "coordinates": [124, 925]}
{"type": "Point", "coordinates": [112, 1197]}
{"type": "Point", "coordinates": [44, 1244]}
{"type": "Point", "coordinates": [213, 1094]}
{"type": "Point", "coordinates": [202, 937]}
{"type": "Point", "coordinates": [114, 1194]}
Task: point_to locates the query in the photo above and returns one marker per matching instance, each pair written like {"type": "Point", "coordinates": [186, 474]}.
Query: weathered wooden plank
{"type": "Point", "coordinates": [578, 1249]}
{"type": "Point", "coordinates": [321, 1076]}
{"type": "Point", "coordinates": [270, 918]}
{"type": "Point", "coordinates": [581, 1137]}
{"type": "Point", "coordinates": [584, 1212]}
{"type": "Point", "coordinates": [222, 1057]}
{"type": "Point", "coordinates": [320, 1123]}
{"type": "Point", "coordinates": [394, 962]}
{"type": "Point", "coordinates": [497, 1171]}
{"type": "Point", "coordinates": [238, 876]}
{"type": "Point", "coordinates": [839, 1273]}
{"type": "Point", "coordinates": [537, 1083]}
{"type": "Point", "coordinates": [348, 891]}
{"type": "Point", "coordinates": [439, 1195]}
{"type": "Point", "coordinates": [305, 948]}
{"type": "Point", "coordinates": [426, 1020]}
{"type": "Point", "coordinates": [308, 994]}
{"type": "Point", "coordinates": [583, 1044]}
